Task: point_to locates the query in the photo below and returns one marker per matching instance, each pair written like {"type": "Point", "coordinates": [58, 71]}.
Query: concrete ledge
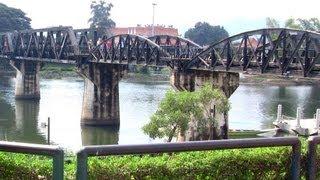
{"type": "Point", "coordinates": [100, 122]}
{"type": "Point", "coordinates": [28, 97]}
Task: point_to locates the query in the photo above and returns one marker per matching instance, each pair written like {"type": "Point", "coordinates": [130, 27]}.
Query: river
{"type": "Point", "coordinates": [252, 107]}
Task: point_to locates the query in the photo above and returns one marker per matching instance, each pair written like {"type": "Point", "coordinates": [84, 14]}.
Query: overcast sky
{"type": "Point", "coordinates": [235, 15]}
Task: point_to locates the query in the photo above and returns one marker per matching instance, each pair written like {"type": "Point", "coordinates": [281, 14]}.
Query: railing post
{"type": "Point", "coordinates": [317, 120]}
{"type": "Point", "coordinates": [58, 165]}
{"type": "Point", "coordinates": [82, 167]}
{"type": "Point", "coordinates": [295, 164]}
{"type": "Point", "coordinates": [298, 117]}
{"type": "Point", "coordinates": [279, 113]}
{"type": "Point", "coordinates": [48, 130]}
{"type": "Point", "coordinates": [311, 159]}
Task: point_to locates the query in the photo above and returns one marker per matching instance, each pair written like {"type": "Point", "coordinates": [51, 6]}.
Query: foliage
{"type": "Point", "coordinates": [19, 166]}
{"type": "Point", "coordinates": [57, 71]}
{"type": "Point", "coordinates": [203, 33]}
{"type": "Point", "coordinates": [272, 23]}
{"type": "Point", "coordinates": [312, 24]}
{"type": "Point", "coordinates": [207, 96]}
{"type": "Point", "coordinates": [100, 12]}
{"type": "Point", "coordinates": [291, 23]}
{"type": "Point", "coordinates": [252, 163]}
{"type": "Point", "coordinates": [261, 163]}
{"type": "Point", "coordinates": [177, 109]}
{"type": "Point", "coordinates": [13, 19]}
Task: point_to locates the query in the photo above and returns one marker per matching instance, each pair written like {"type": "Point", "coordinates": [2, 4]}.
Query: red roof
{"type": "Point", "coordinates": [145, 31]}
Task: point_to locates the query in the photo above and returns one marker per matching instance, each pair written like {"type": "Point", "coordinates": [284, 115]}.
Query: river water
{"type": "Point", "coordinates": [252, 107]}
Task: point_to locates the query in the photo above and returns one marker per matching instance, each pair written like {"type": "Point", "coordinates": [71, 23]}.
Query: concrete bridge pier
{"type": "Point", "coordinates": [101, 94]}
{"type": "Point", "coordinates": [193, 80]}
{"type": "Point", "coordinates": [27, 79]}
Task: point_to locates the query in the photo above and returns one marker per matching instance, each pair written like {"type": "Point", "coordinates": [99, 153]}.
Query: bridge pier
{"type": "Point", "coordinates": [101, 94]}
{"type": "Point", "coordinates": [193, 80]}
{"type": "Point", "coordinates": [27, 79]}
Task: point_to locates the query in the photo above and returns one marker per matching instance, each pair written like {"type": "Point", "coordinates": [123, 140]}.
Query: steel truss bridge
{"type": "Point", "coordinates": [274, 51]}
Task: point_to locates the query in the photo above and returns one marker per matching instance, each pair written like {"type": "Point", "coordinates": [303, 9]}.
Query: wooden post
{"type": "Point", "coordinates": [317, 120]}
{"type": "Point", "coordinates": [279, 113]}
{"type": "Point", "coordinates": [48, 130]}
{"type": "Point", "coordinates": [298, 117]}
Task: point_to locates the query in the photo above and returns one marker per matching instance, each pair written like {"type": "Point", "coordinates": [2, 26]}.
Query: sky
{"type": "Point", "coordinates": [235, 15]}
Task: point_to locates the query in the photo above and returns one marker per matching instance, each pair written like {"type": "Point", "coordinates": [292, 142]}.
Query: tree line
{"type": "Point", "coordinates": [311, 24]}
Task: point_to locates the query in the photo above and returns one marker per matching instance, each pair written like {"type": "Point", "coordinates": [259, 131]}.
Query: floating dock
{"type": "Point", "coordinates": [303, 127]}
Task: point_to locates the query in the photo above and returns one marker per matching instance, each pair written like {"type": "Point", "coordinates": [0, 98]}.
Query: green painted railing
{"type": "Point", "coordinates": [53, 151]}
{"type": "Point", "coordinates": [107, 150]}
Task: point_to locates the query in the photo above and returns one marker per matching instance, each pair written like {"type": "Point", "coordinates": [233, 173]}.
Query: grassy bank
{"type": "Point", "coordinates": [277, 80]}
{"type": "Point", "coordinates": [58, 71]}
{"type": "Point", "coordinates": [255, 163]}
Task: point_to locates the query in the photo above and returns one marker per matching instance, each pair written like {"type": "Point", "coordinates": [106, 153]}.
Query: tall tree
{"type": "Point", "coordinates": [272, 23]}
{"type": "Point", "coordinates": [13, 19]}
{"type": "Point", "coordinates": [203, 33]}
{"type": "Point", "coordinates": [312, 24]}
{"type": "Point", "coordinates": [178, 109]}
{"type": "Point", "coordinates": [292, 23]}
{"type": "Point", "coordinates": [100, 12]}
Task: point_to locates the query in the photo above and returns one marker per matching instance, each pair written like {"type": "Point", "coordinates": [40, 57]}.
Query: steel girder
{"type": "Point", "coordinates": [275, 50]}
{"type": "Point", "coordinates": [51, 44]}
{"type": "Point", "coordinates": [130, 49]}
{"type": "Point", "coordinates": [178, 47]}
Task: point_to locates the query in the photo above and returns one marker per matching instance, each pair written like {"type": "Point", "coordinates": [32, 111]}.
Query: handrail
{"type": "Point", "coordinates": [313, 141]}
{"type": "Point", "coordinates": [55, 152]}
{"type": "Point", "coordinates": [106, 150]}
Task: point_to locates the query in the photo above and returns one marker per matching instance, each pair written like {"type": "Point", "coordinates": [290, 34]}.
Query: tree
{"type": "Point", "coordinates": [13, 19]}
{"type": "Point", "coordinates": [100, 12]}
{"type": "Point", "coordinates": [291, 23]}
{"type": "Point", "coordinates": [272, 23]}
{"type": "Point", "coordinates": [312, 24]}
{"type": "Point", "coordinates": [203, 33]}
{"type": "Point", "coordinates": [178, 109]}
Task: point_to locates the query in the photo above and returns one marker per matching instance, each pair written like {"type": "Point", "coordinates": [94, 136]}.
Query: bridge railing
{"type": "Point", "coordinates": [313, 142]}
{"type": "Point", "coordinates": [53, 151]}
{"type": "Point", "coordinates": [107, 150]}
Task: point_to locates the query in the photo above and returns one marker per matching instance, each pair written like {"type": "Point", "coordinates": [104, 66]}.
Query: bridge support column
{"type": "Point", "coordinates": [101, 94]}
{"type": "Point", "coordinates": [191, 81]}
{"type": "Point", "coordinates": [27, 79]}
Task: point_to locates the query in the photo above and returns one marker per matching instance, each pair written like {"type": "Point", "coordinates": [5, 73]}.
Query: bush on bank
{"type": "Point", "coordinates": [261, 163]}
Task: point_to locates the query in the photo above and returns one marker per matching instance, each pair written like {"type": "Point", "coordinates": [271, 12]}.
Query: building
{"type": "Point", "coordinates": [146, 30]}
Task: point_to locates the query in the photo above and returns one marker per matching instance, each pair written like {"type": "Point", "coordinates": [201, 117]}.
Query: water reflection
{"type": "Point", "coordinates": [99, 135]}
{"type": "Point", "coordinates": [20, 124]}
{"type": "Point", "coordinates": [26, 123]}
{"type": "Point", "coordinates": [252, 107]}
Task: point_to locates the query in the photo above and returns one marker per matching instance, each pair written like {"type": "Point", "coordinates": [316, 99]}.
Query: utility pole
{"type": "Point", "coordinates": [153, 6]}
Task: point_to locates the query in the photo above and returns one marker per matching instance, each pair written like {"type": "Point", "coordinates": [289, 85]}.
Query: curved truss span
{"type": "Point", "coordinates": [130, 49]}
{"type": "Point", "coordinates": [274, 50]}
{"type": "Point", "coordinates": [177, 47]}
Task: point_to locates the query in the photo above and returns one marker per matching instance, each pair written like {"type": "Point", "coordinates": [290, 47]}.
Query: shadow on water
{"type": "Point", "coordinates": [99, 135]}
{"type": "Point", "coordinates": [21, 125]}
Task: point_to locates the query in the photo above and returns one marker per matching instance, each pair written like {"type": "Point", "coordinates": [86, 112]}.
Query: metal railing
{"type": "Point", "coordinates": [313, 141]}
{"type": "Point", "coordinates": [55, 152]}
{"type": "Point", "coordinates": [107, 150]}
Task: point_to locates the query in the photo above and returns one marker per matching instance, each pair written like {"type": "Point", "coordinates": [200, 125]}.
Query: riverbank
{"type": "Point", "coordinates": [267, 79]}
{"type": "Point", "coordinates": [60, 72]}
